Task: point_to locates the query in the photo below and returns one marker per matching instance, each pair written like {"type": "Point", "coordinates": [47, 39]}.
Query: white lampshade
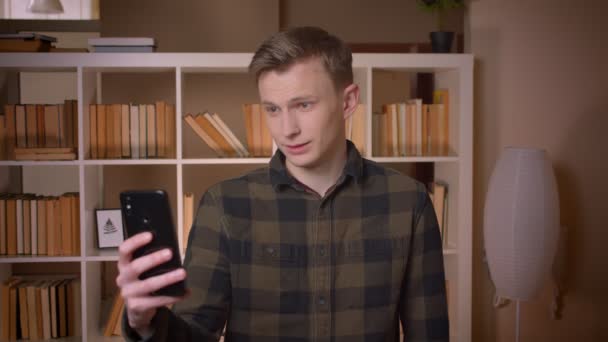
{"type": "Point", "coordinates": [45, 6]}
{"type": "Point", "coordinates": [521, 222]}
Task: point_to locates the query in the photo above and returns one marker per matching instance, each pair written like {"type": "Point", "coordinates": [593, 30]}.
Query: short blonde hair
{"type": "Point", "coordinates": [284, 48]}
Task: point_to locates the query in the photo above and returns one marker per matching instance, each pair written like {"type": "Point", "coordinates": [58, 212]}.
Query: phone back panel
{"type": "Point", "coordinates": [149, 210]}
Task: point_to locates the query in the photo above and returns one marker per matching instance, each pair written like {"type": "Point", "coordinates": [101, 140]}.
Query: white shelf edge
{"type": "Point", "coordinates": [34, 259]}
{"type": "Point", "coordinates": [39, 162]}
{"type": "Point", "coordinates": [129, 162]}
{"type": "Point", "coordinates": [418, 159]}
{"type": "Point", "coordinates": [221, 161]}
{"type": "Point", "coordinates": [101, 258]}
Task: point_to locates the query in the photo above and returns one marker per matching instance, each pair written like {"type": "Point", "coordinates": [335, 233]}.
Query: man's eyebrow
{"type": "Point", "coordinates": [295, 99]}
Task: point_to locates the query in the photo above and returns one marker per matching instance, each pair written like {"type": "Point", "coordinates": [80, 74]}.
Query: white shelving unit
{"type": "Point", "coordinates": [179, 76]}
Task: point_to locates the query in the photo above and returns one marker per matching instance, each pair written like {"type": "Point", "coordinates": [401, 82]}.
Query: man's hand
{"type": "Point", "coordinates": [140, 305]}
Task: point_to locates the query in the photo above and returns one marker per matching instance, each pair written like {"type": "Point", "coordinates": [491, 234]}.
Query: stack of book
{"type": "Point", "coordinates": [131, 131]}
{"type": "Point", "coordinates": [217, 135]}
{"type": "Point", "coordinates": [40, 126]}
{"type": "Point", "coordinates": [259, 139]}
{"type": "Point", "coordinates": [39, 225]}
{"type": "Point", "coordinates": [413, 128]}
{"type": "Point", "coordinates": [25, 42]}
{"type": "Point", "coordinates": [40, 308]}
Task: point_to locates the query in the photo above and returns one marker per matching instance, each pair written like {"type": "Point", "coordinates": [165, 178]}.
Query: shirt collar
{"type": "Point", "coordinates": [280, 176]}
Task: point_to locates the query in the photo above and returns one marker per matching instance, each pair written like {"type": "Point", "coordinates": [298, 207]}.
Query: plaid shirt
{"type": "Point", "coordinates": [278, 262]}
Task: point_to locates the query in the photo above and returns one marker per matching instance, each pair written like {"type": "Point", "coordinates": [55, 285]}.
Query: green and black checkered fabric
{"type": "Point", "coordinates": [278, 262]}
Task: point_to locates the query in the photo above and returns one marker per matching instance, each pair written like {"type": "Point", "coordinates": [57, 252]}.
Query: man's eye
{"type": "Point", "coordinates": [271, 109]}
{"type": "Point", "coordinates": [305, 105]}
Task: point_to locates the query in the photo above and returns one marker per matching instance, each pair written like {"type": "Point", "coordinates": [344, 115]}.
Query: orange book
{"type": "Point", "coordinates": [249, 128]}
{"type": "Point", "coordinates": [11, 226]}
{"type": "Point", "coordinates": [203, 135]}
{"type": "Point", "coordinates": [110, 153]}
{"type": "Point", "coordinates": [41, 203]}
{"type": "Point", "coordinates": [358, 126]}
{"type": "Point", "coordinates": [69, 124]}
{"type": "Point", "coordinates": [151, 143]}
{"type": "Point", "coordinates": [40, 125]}
{"type": "Point", "coordinates": [51, 126]}
{"type": "Point", "coordinates": [215, 135]}
{"type": "Point", "coordinates": [170, 130]}
{"type": "Point", "coordinates": [125, 137]}
{"type": "Point", "coordinates": [66, 225]}
{"type": "Point", "coordinates": [256, 123]}
{"type": "Point", "coordinates": [50, 226]}
{"type": "Point", "coordinates": [114, 315]}
{"type": "Point", "coordinates": [161, 123]}
{"type": "Point", "coordinates": [117, 122]}
{"type": "Point", "coordinates": [23, 311]}
{"type": "Point", "coordinates": [102, 137]}
{"type": "Point", "coordinates": [266, 136]}
{"type": "Point", "coordinates": [20, 125]}
{"type": "Point", "coordinates": [3, 198]}
{"type": "Point", "coordinates": [93, 144]}
{"type": "Point", "coordinates": [7, 313]}
{"type": "Point", "coordinates": [75, 217]}
{"type": "Point", "coordinates": [31, 125]}
{"type": "Point", "coordinates": [75, 121]}
{"type": "Point", "coordinates": [27, 227]}
{"type": "Point", "coordinates": [426, 144]}
{"type": "Point", "coordinates": [188, 217]}
{"type": "Point", "coordinates": [11, 133]}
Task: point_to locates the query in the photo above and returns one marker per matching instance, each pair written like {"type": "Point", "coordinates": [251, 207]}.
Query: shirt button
{"type": "Point", "coordinates": [322, 251]}
{"type": "Point", "coordinates": [322, 300]}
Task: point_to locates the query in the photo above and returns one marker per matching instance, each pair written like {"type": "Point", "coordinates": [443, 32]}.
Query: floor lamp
{"type": "Point", "coordinates": [521, 224]}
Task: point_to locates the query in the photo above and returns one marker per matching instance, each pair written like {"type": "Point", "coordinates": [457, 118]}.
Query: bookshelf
{"type": "Point", "coordinates": [194, 82]}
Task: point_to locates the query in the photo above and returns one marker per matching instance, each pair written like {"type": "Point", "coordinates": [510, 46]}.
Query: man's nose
{"type": "Point", "coordinates": [289, 124]}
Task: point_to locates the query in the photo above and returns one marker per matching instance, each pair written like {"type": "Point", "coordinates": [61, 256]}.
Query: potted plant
{"type": "Point", "coordinates": [441, 40]}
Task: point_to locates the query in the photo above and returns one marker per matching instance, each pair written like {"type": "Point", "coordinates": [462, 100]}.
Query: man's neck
{"type": "Point", "coordinates": [322, 177]}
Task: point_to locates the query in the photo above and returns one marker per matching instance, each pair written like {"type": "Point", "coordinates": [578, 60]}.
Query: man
{"type": "Point", "coordinates": [322, 245]}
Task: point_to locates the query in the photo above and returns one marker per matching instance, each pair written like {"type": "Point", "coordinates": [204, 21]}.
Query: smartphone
{"type": "Point", "coordinates": [149, 211]}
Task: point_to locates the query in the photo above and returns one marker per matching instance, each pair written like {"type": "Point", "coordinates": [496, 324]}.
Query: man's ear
{"type": "Point", "coordinates": [350, 98]}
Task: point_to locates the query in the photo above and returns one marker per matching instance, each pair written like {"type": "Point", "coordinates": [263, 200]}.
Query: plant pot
{"type": "Point", "coordinates": [441, 41]}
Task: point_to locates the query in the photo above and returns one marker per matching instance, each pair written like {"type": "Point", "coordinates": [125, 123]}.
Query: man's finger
{"type": "Point", "coordinates": [144, 288]}
{"type": "Point", "coordinates": [130, 245]}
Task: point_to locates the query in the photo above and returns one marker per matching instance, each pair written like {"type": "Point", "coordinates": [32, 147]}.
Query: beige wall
{"type": "Point", "coordinates": [540, 81]}
{"type": "Point", "coordinates": [194, 25]}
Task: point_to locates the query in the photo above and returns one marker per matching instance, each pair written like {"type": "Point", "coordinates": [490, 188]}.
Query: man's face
{"type": "Point", "coordinates": [304, 112]}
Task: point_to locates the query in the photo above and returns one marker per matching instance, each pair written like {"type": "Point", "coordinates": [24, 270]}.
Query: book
{"type": "Point", "coordinates": [93, 143]}
{"type": "Point", "coordinates": [102, 139]}
{"type": "Point", "coordinates": [215, 135]}
{"type": "Point", "coordinates": [20, 126]}
{"type": "Point", "coordinates": [151, 142]}
{"type": "Point", "coordinates": [236, 142]}
{"type": "Point", "coordinates": [203, 135]}
{"type": "Point", "coordinates": [134, 131]}
{"type": "Point", "coordinates": [3, 221]}
{"type": "Point", "coordinates": [11, 133]}
{"type": "Point", "coordinates": [161, 122]}
{"type": "Point", "coordinates": [125, 130]}
{"type": "Point", "coordinates": [188, 217]}
{"type": "Point", "coordinates": [143, 125]}
{"type": "Point", "coordinates": [41, 245]}
{"type": "Point", "coordinates": [52, 131]}
{"type": "Point", "coordinates": [211, 118]}
{"type": "Point", "coordinates": [25, 42]}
